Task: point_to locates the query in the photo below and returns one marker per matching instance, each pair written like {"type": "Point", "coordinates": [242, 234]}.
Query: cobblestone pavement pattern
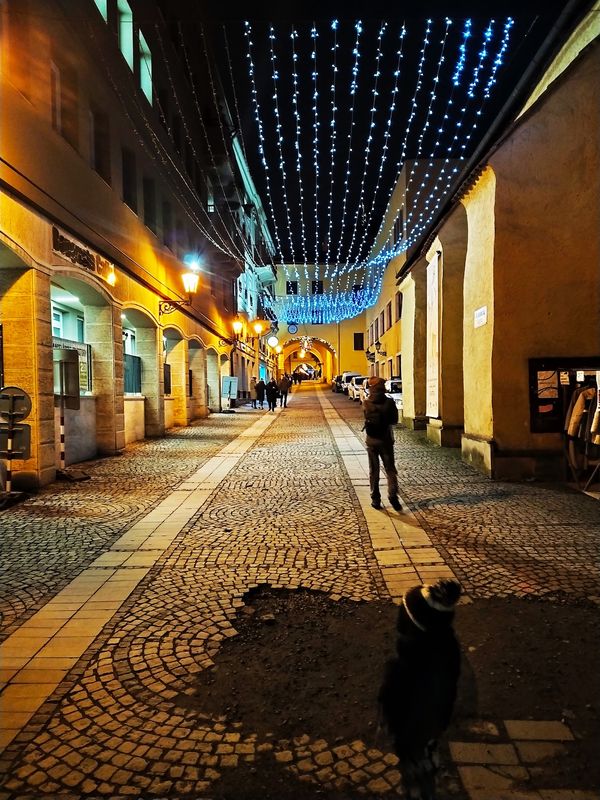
{"type": "Point", "coordinates": [114, 727]}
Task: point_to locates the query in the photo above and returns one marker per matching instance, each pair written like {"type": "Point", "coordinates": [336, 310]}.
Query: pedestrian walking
{"type": "Point", "coordinates": [380, 414]}
{"type": "Point", "coordinates": [418, 691]}
{"type": "Point", "coordinates": [284, 387]}
{"type": "Point", "coordinates": [272, 393]}
{"type": "Point", "coordinates": [260, 392]}
{"type": "Point", "coordinates": [253, 391]}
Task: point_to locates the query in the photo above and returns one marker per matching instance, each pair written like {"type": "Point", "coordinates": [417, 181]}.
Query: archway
{"type": "Point", "coordinates": [316, 355]}
{"type": "Point", "coordinates": [198, 382]}
{"type": "Point", "coordinates": [176, 377]}
{"type": "Point", "coordinates": [143, 401]}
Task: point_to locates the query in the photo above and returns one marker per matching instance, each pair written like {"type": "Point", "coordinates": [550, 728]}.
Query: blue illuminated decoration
{"type": "Point", "coordinates": [368, 147]}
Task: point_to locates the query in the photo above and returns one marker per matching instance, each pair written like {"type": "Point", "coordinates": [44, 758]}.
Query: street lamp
{"type": "Point", "coordinates": [237, 326]}
{"type": "Point", "coordinates": [190, 285]}
{"type": "Point", "coordinates": [378, 346]}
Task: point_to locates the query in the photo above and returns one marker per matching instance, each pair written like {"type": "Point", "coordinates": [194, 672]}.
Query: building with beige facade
{"type": "Point", "coordinates": [116, 180]}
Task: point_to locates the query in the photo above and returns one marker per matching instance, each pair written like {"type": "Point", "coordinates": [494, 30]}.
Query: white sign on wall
{"type": "Point", "coordinates": [433, 338]}
{"type": "Point", "coordinates": [480, 317]}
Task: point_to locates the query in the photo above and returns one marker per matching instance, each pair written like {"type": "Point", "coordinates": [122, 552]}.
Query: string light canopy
{"type": "Point", "coordinates": [359, 130]}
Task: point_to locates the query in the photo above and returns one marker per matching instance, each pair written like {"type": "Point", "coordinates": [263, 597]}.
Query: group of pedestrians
{"type": "Point", "coordinates": [271, 392]}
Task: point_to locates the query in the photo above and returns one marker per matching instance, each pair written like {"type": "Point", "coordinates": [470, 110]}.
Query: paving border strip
{"type": "Point", "coordinates": [36, 657]}
{"type": "Point", "coordinates": [402, 548]}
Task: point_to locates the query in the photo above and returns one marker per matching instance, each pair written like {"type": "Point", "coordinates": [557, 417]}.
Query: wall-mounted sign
{"type": "Point", "coordinates": [480, 317]}
{"type": "Point", "coordinates": [79, 254]}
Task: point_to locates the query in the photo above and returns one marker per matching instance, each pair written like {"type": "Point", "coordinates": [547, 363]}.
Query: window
{"type": "Point", "coordinates": [55, 97]}
{"type": "Point", "coordinates": [358, 287]}
{"type": "Point", "coordinates": [167, 221]}
{"type": "Point", "coordinates": [57, 323]}
{"type": "Point", "coordinates": [376, 330]}
{"type": "Point", "coordinates": [100, 144]}
{"type": "Point", "coordinates": [291, 287]}
{"type": "Point", "coordinates": [359, 341]}
{"type": "Point", "coordinates": [398, 305]}
{"type": "Point", "coordinates": [102, 7]}
{"type": "Point", "coordinates": [129, 341]}
{"type": "Point", "coordinates": [80, 329]}
{"type": "Point", "coordinates": [317, 287]}
{"type": "Point", "coordinates": [149, 203]}
{"type": "Point", "coordinates": [390, 368]}
{"type": "Point", "coordinates": [129, 179]}
{"type": "Point", "coordinates": [388, 314]}
{"type": "Point", "coordinates": [371, 338]}
{"type": "Point", "coordinates": [125, 31]}
{"type": "Point", "coordinates": [398, 366]}
{"type": "Point", "coordinates": [145, 68]}
{"type": "Point", "coordinates": [381, 323]}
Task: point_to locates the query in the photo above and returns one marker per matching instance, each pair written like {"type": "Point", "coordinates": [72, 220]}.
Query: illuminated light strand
{"type": "Point", "coordinates": [235, 100]}
{"type": "Point", "coordinates": [315, 74]}
{"type": "Point", "coordinates": [424, 127]}
{"type": "Point", "coordinates": [386, 147]}
{"type": "Point", "coordinates": [395, 249]}
{"type": "Point", "coordinates": [261, 139]}
{"type": "Point", "coordinates": [421, 220]}
{"type": "Point", "coordinates": [165, 156]}
{"type": "Point", "coordinates": [353, 92]}
{"type": "Point", "coordinates": [411, 117]}
{"type": "Point", "coordinates": [160, 154]}
{"type": "Point", "coordinates": [375, 93]}
{"type": "Point", "coordinates": [332, 139]}
{"type": "Point", "coordinates": [233, 215]}
{"type": "Point", "coordinates": [279, 138]}
{"type": "Point", "coordinates": [295, 93]}
{"type": "Point", "coordinates": [498, 60]}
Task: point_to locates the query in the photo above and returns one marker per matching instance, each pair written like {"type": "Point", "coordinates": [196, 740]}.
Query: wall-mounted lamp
{"type": "Point", "coordinates": [380, 352]}
{"type": "Point", "coordinates": [258, 327]}
{"type": "Point", "coordinates": [370, 355]}
{"type": "Point", "coordinates": [190, 285]}
{"type": "Point", "coordinates": [237, 326]}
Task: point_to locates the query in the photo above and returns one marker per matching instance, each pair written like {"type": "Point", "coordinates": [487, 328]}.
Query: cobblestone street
{"type": "Point", "coordinates": [118, 592]}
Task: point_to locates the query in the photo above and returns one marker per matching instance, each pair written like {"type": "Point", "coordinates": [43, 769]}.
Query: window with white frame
{"type": "Point", "coordinates": [125, 31]}
{"type": "Point", "coordinates": [57, 323]}
{"type": "Point", "coordinates": [145, 67]}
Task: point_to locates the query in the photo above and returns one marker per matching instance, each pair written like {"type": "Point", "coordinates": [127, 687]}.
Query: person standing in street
{"type": "Point", "coordinates": [260, 392]}
{"type": "Point", "coordinates": [380, 414]}
{"type": "Point", "coordinates": [272, 391]}
{"type": "Point", "coordinates": [418, 691]}
{"type": "Point", "coordinates": [253, 391]}
{"type": "Point", "coordinates": [284, 387]}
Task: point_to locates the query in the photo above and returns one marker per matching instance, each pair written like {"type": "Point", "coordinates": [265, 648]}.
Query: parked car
{"type": "Point", "coordinates": [346, 378]}
{"type": "Point", "coordinates": [363, 392]}
{"type": "Point", "coordinates": [336, 384]}
{"type": "Point", "coordinates": [393, 389]}
{"type": "Point", "coordinates": [354, 386]}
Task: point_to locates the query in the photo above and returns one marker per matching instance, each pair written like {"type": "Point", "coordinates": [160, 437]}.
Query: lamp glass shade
{"type": "Point", "coordinates": [190, 282]}
{"type": "Point", "coordinates": [272, 341]}
{"type": "Point", "coordinates": [278, 349]}
{"type": "Point", "coordinates": [258, 327]}
{"type": "Point", "coordinates": [237, 326]}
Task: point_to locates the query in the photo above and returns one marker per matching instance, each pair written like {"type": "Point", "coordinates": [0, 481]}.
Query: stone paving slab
{"type": "Point", "coordinates": [539, 730]}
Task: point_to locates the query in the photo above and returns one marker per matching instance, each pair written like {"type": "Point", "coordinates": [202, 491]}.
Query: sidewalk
{"type": "Point", "coordinates": [120, 594]}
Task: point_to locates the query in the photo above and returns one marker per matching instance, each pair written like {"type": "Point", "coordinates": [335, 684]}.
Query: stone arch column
{"type": "Point", "coordinates": [27, 351]}
{"type": "Point", "coordinates": [176, 356]}
{"type": "Point", "coordinates": [451, 247]}
{"type": "Point", "coordinates": [197, 357]}
{"type": "Point", "coordinates": [213, 380]}
{"type": "Point", "coordinates": [414, 299]}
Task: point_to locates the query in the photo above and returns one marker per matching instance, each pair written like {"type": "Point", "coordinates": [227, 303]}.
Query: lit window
{"type": "Point", "coordinates": [57, 323]}
{"type": "Point", "coordinates": [210, 197]}
{"type": "Point", "coordinates": [145, 68]}
{"type": "Point", "coordinates": [102, 7]}
{"type": "Point", "coordinates": [125, 29]}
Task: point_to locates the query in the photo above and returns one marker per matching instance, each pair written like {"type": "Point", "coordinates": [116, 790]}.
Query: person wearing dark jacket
{"type": "Point", "coordinates": [380, 414]}
{"type": "Point", "coordinates": [260, 392]}
{"type": "Point", "coordinates": [418, 691]}
{"type": "Point", "coordinates": [272, 393]}
{"type": "Point", "coordinates": [284, 387]}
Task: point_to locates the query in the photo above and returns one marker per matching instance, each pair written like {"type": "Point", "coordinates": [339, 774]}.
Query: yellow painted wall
{"type": "Point", "coordinates": [479, 293]}
{"type": "Point", "coordinates": [547, 248]}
